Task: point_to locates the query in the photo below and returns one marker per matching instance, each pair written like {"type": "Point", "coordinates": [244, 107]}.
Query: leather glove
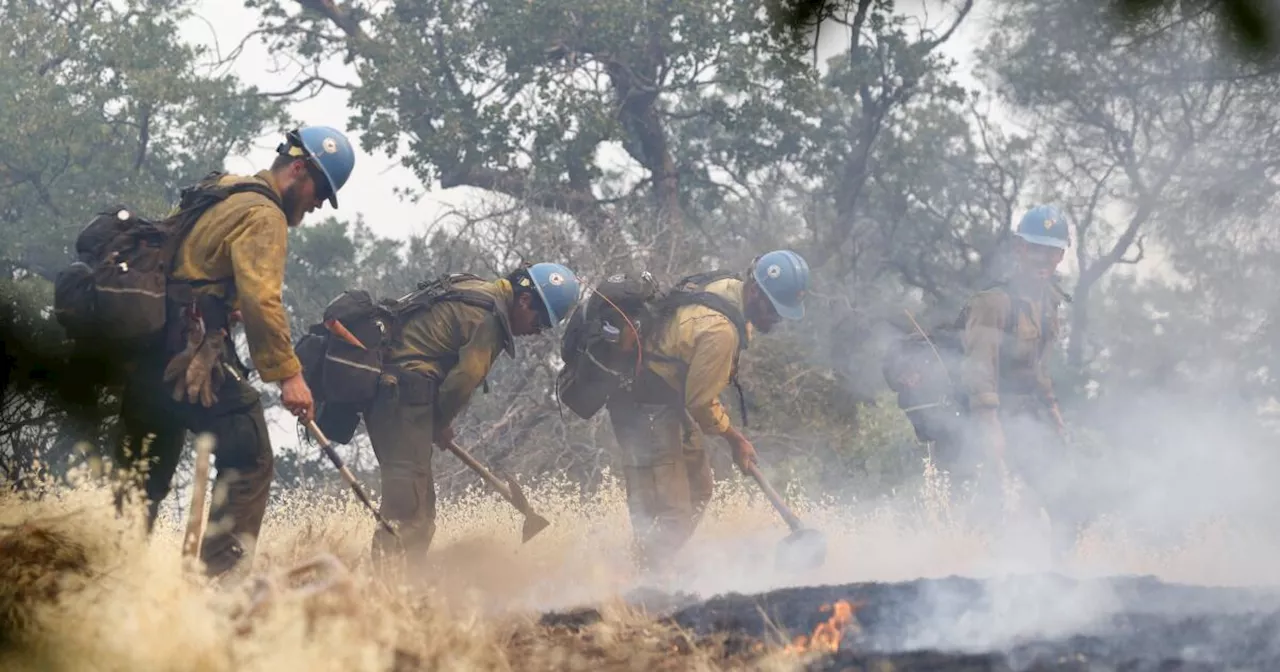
{"type": "Point", "coordinates": [1059, 424]}
{"type": "Point", "coordinates": [205, 374]}
{"type": "Point", "coordinates": [176, 371]}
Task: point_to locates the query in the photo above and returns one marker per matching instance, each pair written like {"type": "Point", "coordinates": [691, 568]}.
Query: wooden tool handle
{"type": "Point", "coordinates": [191, 541]}
{"type": "Point", "coordinates": [783, 510]}
{"type": "Point", "coordinates": [497, 483]}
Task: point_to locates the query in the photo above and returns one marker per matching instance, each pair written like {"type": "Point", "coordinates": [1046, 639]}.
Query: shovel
{"type": "Point", "coordinates": [804, 548]}
{"type": "Point", "coordinates": [510, 491]}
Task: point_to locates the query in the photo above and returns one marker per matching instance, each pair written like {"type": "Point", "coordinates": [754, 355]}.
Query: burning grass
{"type": "Point", "coordinates": [81, 589]}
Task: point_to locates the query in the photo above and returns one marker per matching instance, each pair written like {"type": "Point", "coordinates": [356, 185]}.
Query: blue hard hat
{"type": "Point", "coordinates": [557, 286]}
{"type": "Point", "coordinates": [329, 150]}
{"type": "Point", "coordinates": [1045, 225]}
{"type": "Point", "coordinates": [784, 277]}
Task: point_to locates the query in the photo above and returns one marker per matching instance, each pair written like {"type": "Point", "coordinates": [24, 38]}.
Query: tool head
{"type": "Point", "coordinates": [533, 524]}
{"type": "Point", "coordinates": [801, 550]}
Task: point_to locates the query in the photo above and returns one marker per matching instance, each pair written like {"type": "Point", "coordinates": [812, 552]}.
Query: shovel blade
{"type": "Point", "coordinates": [533, 524]}
{"type": "Point", "coordinates": [802, 550]}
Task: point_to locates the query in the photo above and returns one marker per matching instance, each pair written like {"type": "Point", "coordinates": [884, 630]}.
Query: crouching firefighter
{"type": "Point", "coordinates": [164, 296]}
{"type": "Point", "coordinates": [409, 366]}
{"type": "Point", "coordinates": [662, 394]}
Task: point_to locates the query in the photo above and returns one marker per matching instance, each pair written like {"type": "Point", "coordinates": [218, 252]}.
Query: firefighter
{"type": "Point", "coordinates": [1010, 331]}
{"type": "Point", "coordinates": [233, 263]}
{"type": "Point", "coordinates": [690, 358]}
{"type": "Point", "coordinates": [440, 357]}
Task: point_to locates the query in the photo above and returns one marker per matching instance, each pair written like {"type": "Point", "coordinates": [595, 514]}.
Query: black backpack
{"type": "Point", "coordinates": [601, 343]}
{"type": "Point", "coordinates": [345, 354]}
{"type": "Point", "coordinates": [117, 293]}
{"type": "Point", "coordinates": [924, 369]}
{"type": "Point", "coordinates": [598, 347]}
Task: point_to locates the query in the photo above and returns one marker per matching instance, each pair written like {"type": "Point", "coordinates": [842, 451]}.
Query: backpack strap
{"type": "Point", "coordinates": [690, 290]}
{"type": "Point", "coordinates": [429, 294]}
{"type": "Point", "coordinates": [195, 201]}
{"type": "Point", "coordinates": [701, 280]}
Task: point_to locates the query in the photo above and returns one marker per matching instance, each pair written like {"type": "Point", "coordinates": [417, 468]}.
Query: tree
{"type": "Point", "coordinates": [530, 99]}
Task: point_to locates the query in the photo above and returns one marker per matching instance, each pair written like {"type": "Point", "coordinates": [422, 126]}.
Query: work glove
{"type": "Point", "coordinates": [1064, 434]}
{"type": "Point", "coordinates": [202, 374]}
{"type": "Point", "coordinates": [205, 373]}
{"type": "Point", "coordinates": [744, 454]}
{"type": "Point", "coordinates": [176, 371]}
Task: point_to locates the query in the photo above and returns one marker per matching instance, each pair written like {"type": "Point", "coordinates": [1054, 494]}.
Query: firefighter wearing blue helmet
{"type": "Point", "coordinates": [691, 356]}
{"type": "Point", "coordinates": [440, 356]}
{"type": "Point", "coordinates": [1010, 331]}
{"type": "Point", "coordinates": [231, 262]}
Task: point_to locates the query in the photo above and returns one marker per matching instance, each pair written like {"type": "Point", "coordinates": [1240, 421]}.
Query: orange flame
{"type": "Point", "coordinates": [826, 636]}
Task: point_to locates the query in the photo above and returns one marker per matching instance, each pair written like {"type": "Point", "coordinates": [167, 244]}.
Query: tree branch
{"type": "Point", "coordinates": [304, 83]}
{"type": "Point", "coordinates": [342, 18]}
{"type": "Point", "coordinates": [946, 35]}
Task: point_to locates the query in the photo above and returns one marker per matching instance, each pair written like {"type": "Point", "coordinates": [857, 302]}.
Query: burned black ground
{"type": "Point", "coordinates": [1033, 622]}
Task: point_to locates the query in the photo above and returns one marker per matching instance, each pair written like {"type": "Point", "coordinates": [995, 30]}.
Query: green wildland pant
{"type": "Point", "coordinates": [401, 424]}
{"type": "Point", "coordinates": [668, 476]}
{"type": "Point", "coordinates": [242, 454]}
{"type": "Point", "coordinates": [1035, 452]}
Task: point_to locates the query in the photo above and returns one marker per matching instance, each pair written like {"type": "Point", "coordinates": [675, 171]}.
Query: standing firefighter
{"type": "Point", "coordinates": [418, 361]}
{"type": "Point", "coordinates": [167, 294]}
{"type": "Point", "coordinates": [689, 356]}
{"type": "Point", "coordinates": [1010, 331]}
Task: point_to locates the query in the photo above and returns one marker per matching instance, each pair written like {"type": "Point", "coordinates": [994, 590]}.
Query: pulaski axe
{"type": "Point", "coordinates": [329, 452]}
{"type": "Point", "coordinates": [509, 489]}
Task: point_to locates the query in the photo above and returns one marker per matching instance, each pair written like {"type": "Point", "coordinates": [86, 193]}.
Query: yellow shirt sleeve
{"type": "Point", "coordinates": [258, 247]}
{"type": "Point", "coordinates": [715, 343]}
{"type": "Point", "coordinates": [482, 342]}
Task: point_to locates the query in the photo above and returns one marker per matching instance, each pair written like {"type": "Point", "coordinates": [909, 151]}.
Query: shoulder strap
{"type": "Point", "coordinates": [197, 199]}
{"type": "Point", "coordinates": [701, 280]}
{"type": "Point", "coordinates": [689, 290]}
{"type": "Point", "coordinates": [721, 305]}
{"type": "Point", "coordinates": [430, 293]}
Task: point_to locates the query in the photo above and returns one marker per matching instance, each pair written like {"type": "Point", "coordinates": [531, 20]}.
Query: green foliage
{"type": "Point", "coordinates": [103, 103]}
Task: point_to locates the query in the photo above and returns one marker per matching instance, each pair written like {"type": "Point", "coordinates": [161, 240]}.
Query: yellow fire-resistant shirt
{"type": "Point", "coordinates": [456, 344]}
{"type": "Point", "coordinates": [704, 346]}
{"type": "Point", "coordinates": [245, 239]}
{"type": "Point", "coordinates": [1024, 363]}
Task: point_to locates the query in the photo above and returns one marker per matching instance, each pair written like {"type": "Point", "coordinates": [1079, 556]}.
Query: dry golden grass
{"type": "Point", "coordinates": [83, 590]}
